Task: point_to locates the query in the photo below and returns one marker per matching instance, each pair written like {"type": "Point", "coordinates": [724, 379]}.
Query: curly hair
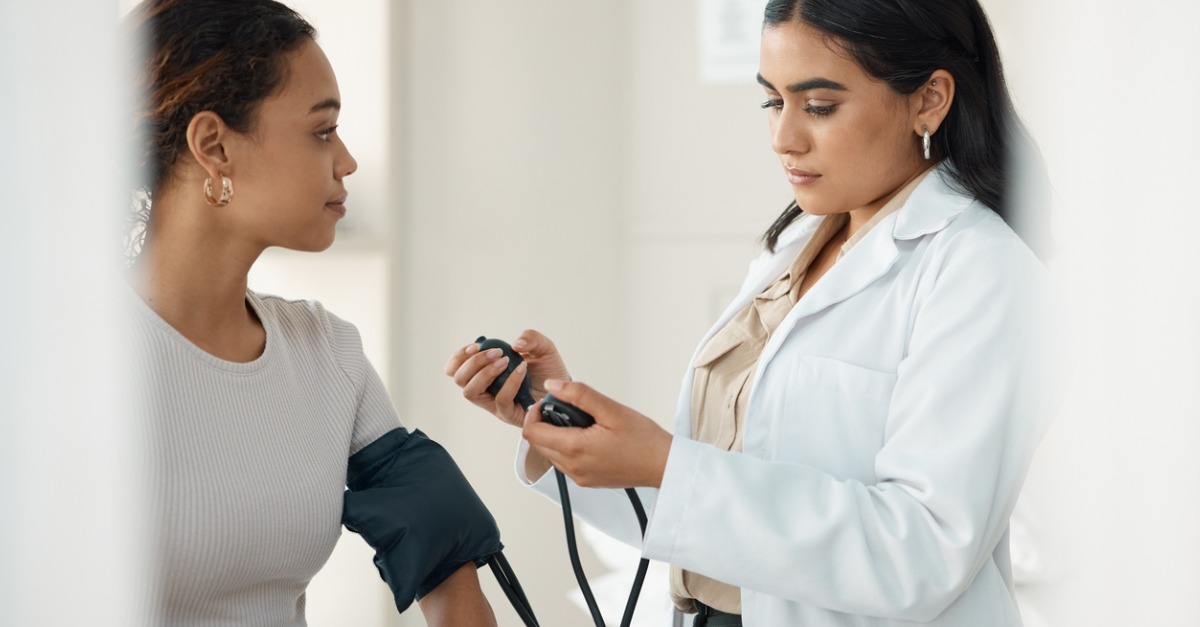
{"type": "Point", "coordinates": [224, 56]}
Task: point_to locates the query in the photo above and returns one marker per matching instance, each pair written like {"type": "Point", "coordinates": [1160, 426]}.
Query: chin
{"type": "Point", "coordinates": [814, 206]}
{"type": "Point", "coordinates": [821, 204]}
{"type": "Point", "coordinates": [312, 246]}
{"type": "Point", "coordinates": [323, 245]}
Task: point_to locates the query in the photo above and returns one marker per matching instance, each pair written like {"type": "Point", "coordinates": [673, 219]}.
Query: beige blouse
{"type": "Point", "coordinates": [725, 367]}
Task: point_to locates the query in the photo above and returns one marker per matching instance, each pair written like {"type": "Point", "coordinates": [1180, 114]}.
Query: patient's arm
{"type": "Point", "coordinates": [458, 601]}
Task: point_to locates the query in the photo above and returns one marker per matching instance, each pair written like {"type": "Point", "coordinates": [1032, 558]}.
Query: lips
{"type": "Point", "coordinates": [797, 176]}
{"type": "Point", "coordinates": [337, 206]}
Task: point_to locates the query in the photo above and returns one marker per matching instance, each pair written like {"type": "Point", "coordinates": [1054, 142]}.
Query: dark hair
{"type": "Point", "coordinates": [902, 42]}
{"type": "Point", "coordinates": [223, 56]}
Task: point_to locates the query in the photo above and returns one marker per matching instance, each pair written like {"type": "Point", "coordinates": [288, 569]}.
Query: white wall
{"type": "Point", "coordinates": [70, 459]}
{"type": "Point", "coordinates": [509, 206]}
{"type": "Point", "coordinates": [1116, 92]}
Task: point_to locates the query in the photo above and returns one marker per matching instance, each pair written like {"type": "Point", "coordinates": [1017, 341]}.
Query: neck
{"type": "Point", "coordinates": [181, 283]}
{"type": "Point", "coordinates": [191, 274]}
{"type": "Point", "coordinates": [862, 215]}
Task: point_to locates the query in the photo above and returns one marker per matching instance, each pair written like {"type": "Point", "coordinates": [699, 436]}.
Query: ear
{"type": "Point", "coordinates": [933, 102]}
{"type": "Point", "coordinates": [207, 134]}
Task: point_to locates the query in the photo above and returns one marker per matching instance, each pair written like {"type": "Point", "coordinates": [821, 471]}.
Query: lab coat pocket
{"type": "Point", "coordinates": [828, 414]}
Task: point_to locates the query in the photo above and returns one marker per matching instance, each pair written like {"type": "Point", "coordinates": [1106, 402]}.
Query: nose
{"type": "Point", "coordinates": [345, 165]}
{"type": "Point", "coordinates": [789, 132]}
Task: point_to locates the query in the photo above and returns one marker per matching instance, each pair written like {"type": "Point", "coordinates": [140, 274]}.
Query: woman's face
{"type": "Point", "coordinates": [290, 167]}
{"type": "Point", "coordinates": [846, 141]}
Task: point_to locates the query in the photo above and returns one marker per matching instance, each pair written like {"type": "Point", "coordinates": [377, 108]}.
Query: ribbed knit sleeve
{"type": "Point", "coordinates": [375, 415]}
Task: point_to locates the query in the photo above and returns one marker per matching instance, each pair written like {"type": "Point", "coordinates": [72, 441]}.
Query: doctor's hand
{"type": "Point", "coordinates": [623, 449]}
{"type": "Point", "coordinates": [474, 371]}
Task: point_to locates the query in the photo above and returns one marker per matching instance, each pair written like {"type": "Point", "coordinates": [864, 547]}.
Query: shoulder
{"type": "Point", "coordinates": [279, 306]}
{"type": "Point", "coordinates": [308, 320]}
{"type": "Point", "coordinates": [958, 226]}
{"type": "Point", "coordinates": [964, 254]}
{"type": "Point", "coordinates": [979, 267]}
{"type": "Point", "coordinates": [980, 237]}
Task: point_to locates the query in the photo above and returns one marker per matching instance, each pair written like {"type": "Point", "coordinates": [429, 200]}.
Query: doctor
{"type": "Point", "coordinates": [853, 431]}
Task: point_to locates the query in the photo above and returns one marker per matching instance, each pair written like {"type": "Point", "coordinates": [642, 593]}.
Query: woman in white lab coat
{"type": "Point", "coordinates": [853, 431]}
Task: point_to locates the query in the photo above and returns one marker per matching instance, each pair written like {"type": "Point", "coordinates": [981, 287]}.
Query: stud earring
{"type": "Point", "coordinates": [226, 192]}
{"type": "Point", "coordinates": [925, 143]}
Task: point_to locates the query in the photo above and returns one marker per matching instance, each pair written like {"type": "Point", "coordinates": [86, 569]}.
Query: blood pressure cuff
{"type": "Point", "coordinates": [410, 502]}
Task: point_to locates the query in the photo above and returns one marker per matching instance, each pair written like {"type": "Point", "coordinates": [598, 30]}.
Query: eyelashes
{"type": "Point", "coordinates": [325, 133]}
{"type": "Point", "coordinates": [817, 111]}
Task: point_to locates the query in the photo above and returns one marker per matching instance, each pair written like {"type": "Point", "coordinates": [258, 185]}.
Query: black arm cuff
{"type": "Point", "coordinates": [410, 502]}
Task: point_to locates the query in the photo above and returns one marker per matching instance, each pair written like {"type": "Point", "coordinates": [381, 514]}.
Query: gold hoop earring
{"type": "Point", "coordinates": [925, 143]}
{"type": "Point", "coordinates": [226, 192]}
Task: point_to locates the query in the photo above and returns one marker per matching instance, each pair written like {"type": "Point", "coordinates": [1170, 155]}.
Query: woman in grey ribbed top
{"type": "Point", "coordinates": [255, 403]}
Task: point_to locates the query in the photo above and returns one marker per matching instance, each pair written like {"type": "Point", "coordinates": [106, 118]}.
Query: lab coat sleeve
{"type": "Point", "coordinates": [965, 415]}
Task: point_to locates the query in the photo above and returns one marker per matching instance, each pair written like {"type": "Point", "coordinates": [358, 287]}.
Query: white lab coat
{"type": "Point", "coordinates": [891, 422]}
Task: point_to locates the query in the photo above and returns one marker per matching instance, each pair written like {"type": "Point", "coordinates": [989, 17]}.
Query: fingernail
{"type": "Point", "coordinates": [520, 345]}
{"type": "Point", "coordinates": [520, 367]}
{"type": "Point", "coordinates": [471, 348]}
{"type": "Point", "coordinates": [553, 385]}
{"type": "Point", "coordinates": [500, 364]}
{"type": "Point", "coordinates": [494, 353]}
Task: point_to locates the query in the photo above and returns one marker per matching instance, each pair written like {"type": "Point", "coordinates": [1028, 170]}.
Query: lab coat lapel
{"type": "Point", "coordinates": [870, 259]}
{"type": "Point", "coordinates": [765, 270]}
{"type": "Point", "coordinates": [762, 271]}
{"type": "Point", "coordinates": [933, 205]}
{"type": "Point", "coordinates": [930, 208]}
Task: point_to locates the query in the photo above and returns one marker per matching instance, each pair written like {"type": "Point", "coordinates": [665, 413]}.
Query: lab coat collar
{"type": "Point", "coordinates": [933, 205]}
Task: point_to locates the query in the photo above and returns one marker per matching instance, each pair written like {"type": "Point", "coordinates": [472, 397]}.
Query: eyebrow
{"type": "Point", "coordinates": [328, 103]}
{"type": "Point", "coordinates": [812, 83]}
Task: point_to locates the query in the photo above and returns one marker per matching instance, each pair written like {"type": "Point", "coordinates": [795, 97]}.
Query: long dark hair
{"type": "Point", "coordinates": [224, 56]}
{"type": "Point", "coordinates": [902, 42]}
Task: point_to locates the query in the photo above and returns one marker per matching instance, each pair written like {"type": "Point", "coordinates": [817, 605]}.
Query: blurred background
{"type": "Point", "coordinates": [600, 171]}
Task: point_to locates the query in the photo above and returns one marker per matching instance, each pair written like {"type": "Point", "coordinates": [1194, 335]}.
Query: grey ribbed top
{"type": "Point", "coordinates": [250, 460]}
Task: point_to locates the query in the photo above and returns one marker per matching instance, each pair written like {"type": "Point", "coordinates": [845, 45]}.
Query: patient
{"type": "Point", "coordinates": [260, 408]}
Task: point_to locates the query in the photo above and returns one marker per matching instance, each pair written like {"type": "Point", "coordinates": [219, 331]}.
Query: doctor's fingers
{"type": "Point", "coordinates": [604, 409]}
{"type": "Point", "coordinates": [505, 405]}
{"type": "Point", "coordinates": [477, 373]}
{"type": "Point", "coordinates": [460, 357]}
{"type": "Point", "coordinates": [544, 435]}
{"type": "Point", "coordinates": [545, 362]}
{"type": "Point", "coordinates": [585, 455]}
{"type": "Point", "coordinates": [560, 445]}
{"type": "Point", "coordinates": [531, 343]}
{"type": "Point", "coordinates": [624, 448]}
{"type": "Point", "coordinates": [466, 364]}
